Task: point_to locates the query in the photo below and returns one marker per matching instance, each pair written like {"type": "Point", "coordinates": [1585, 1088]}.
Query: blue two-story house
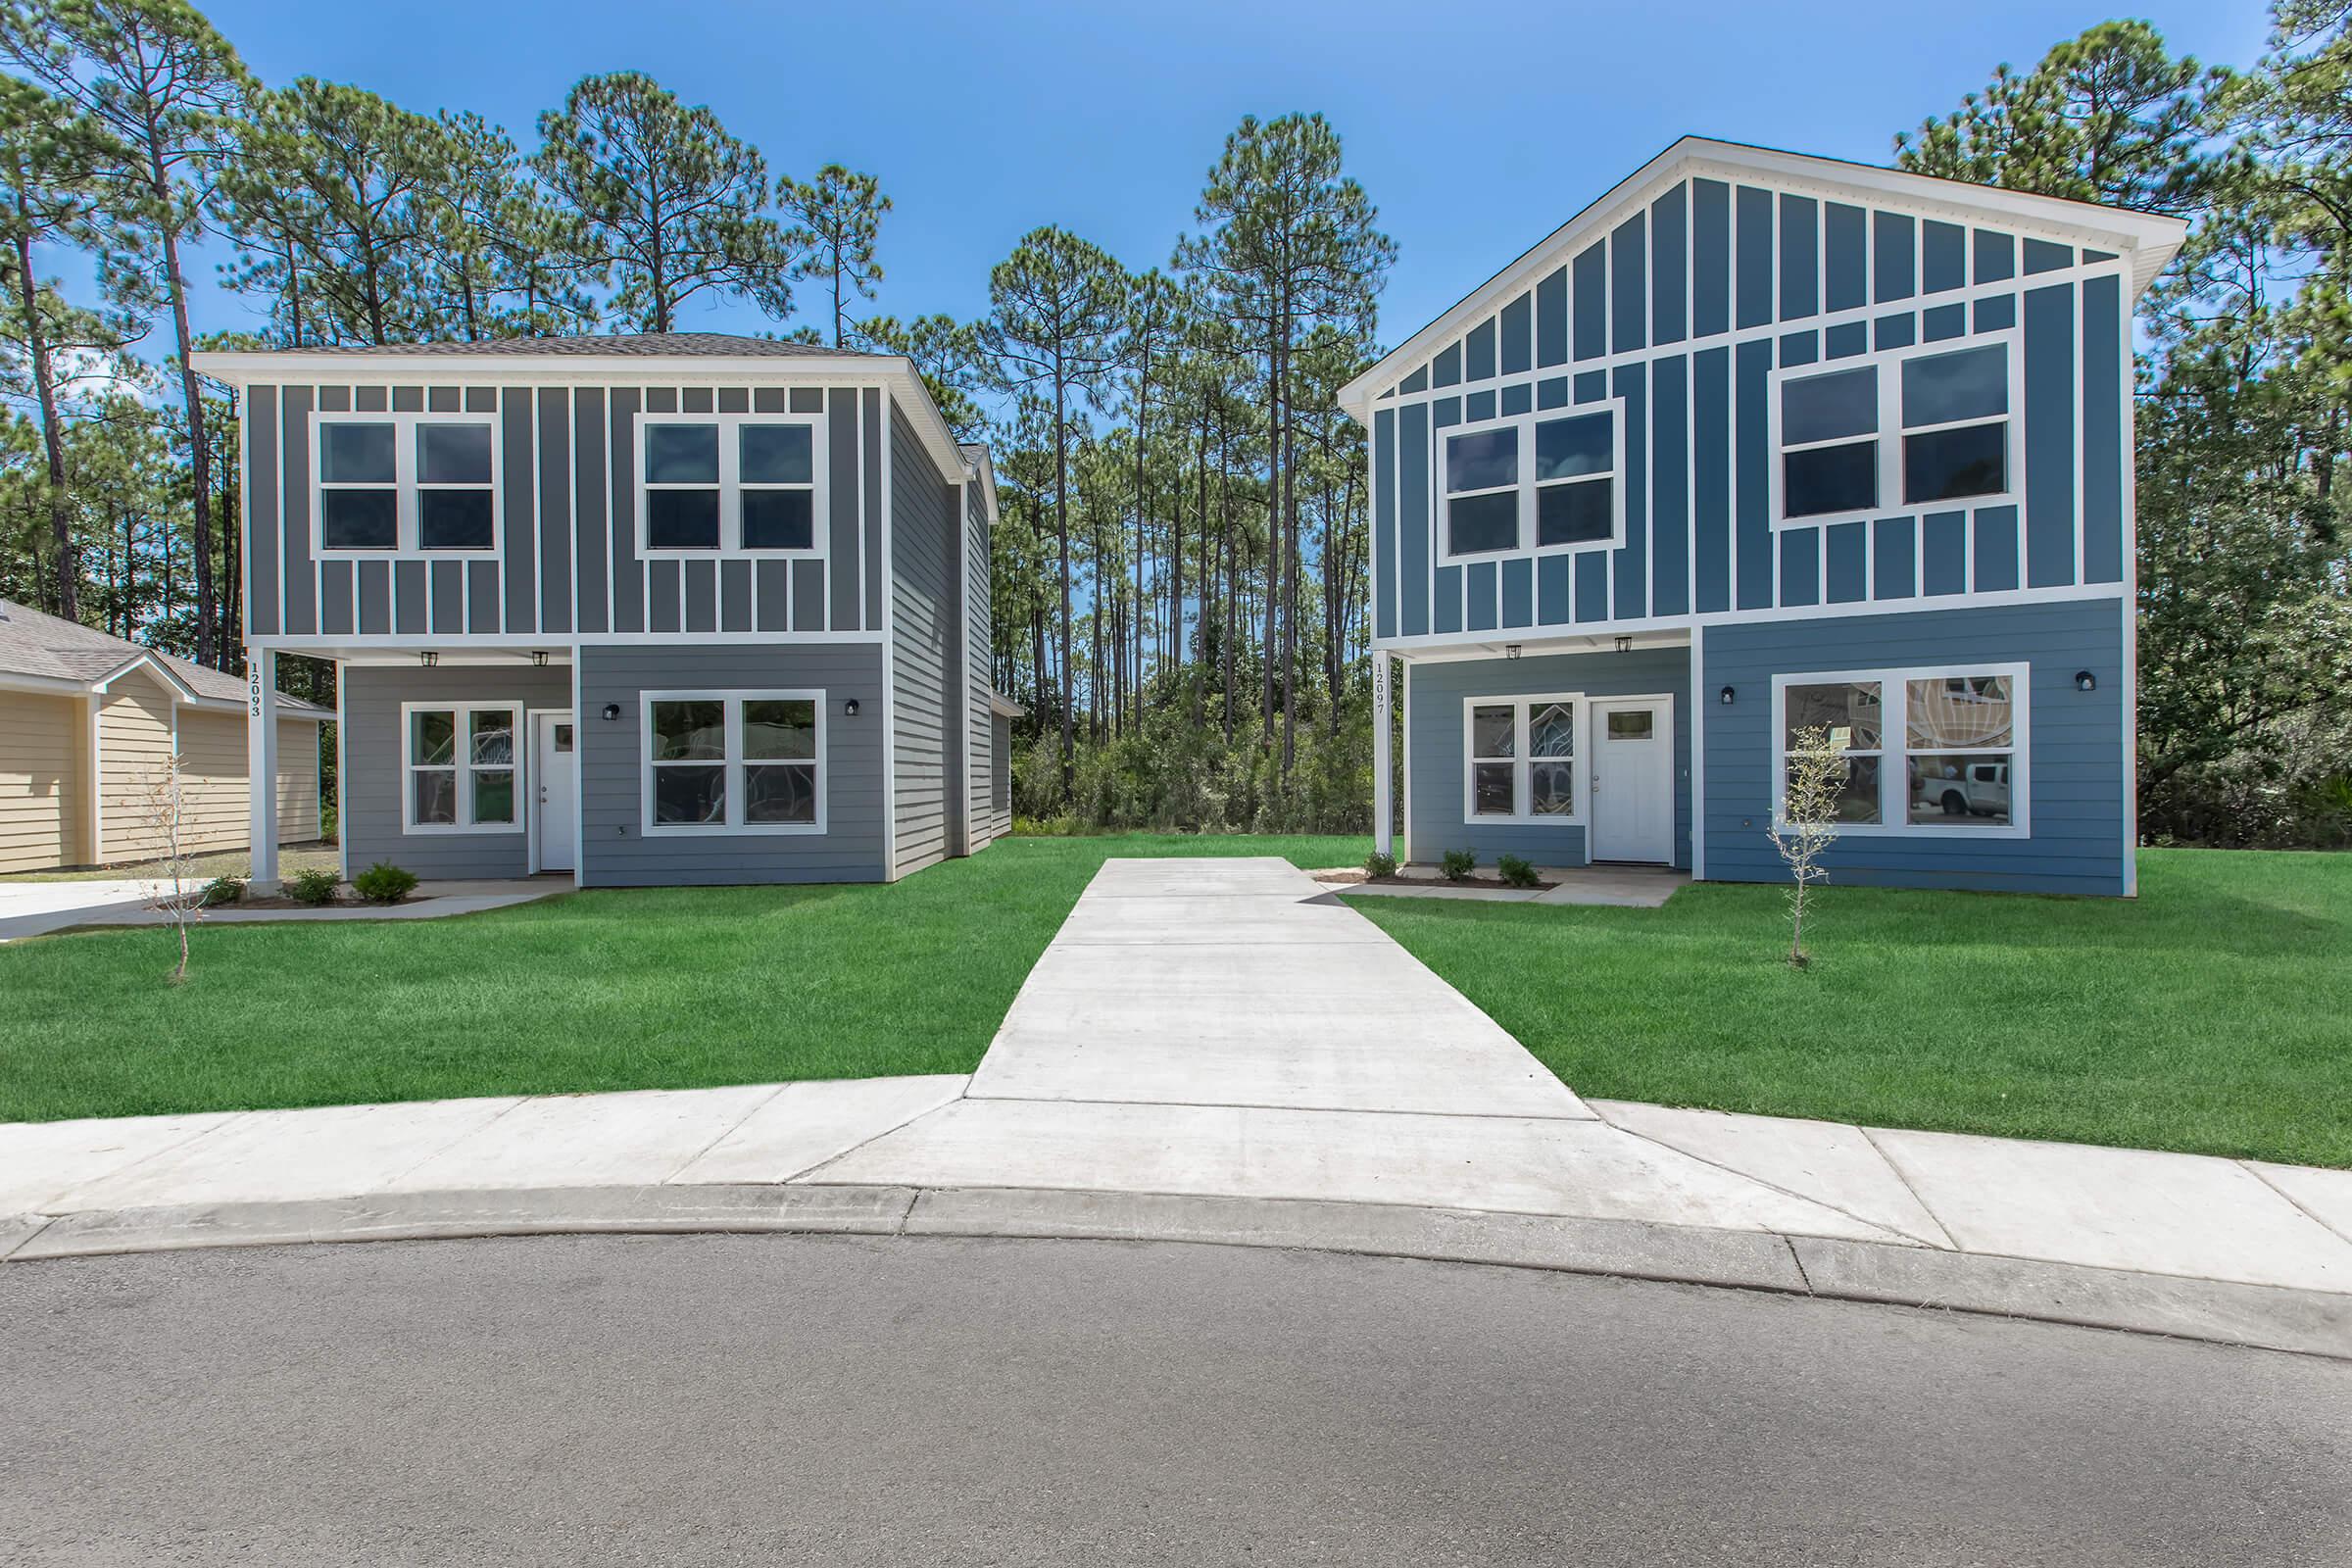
{"type": "Point", "coordinates": [1754, 444]}
{"type": "Point", "coordinates": [672, 607]}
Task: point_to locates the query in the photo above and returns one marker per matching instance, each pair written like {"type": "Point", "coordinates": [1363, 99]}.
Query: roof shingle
{"type": "Point", "coordinates": [40, 645]}
{"type": "Point", "coordinates": [627, 345]}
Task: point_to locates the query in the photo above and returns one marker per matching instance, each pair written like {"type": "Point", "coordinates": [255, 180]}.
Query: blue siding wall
{"type": "Point", "coordinates": [1682, 312]}
{"type": "Point", "coordinates": [2075, 776]}
{"type": "Point", "coordinates": [1433, 745]}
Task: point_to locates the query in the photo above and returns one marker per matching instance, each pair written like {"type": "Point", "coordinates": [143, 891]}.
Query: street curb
{"type": "Point", "coordinates": [2266, 1317]}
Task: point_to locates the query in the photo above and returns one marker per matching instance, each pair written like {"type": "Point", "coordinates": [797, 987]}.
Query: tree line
{"type": "Point", "coordinates": [1180, 570]}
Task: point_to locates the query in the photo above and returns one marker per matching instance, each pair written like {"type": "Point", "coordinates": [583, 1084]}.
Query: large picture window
{"type": "Point", "coordinates": [741, 484]}
{"type": "Point", "coordinates": [734, 762]}
{"type": "Point", "coordinates": [1520, 758]}
{"type": "Point", "coordinates": [1929, 751]}
{"type": "Point", "coordinates": [1532, 482]}
{"type": "Point", "coordinates": [407, 483]}
{"type": "Point", "coordinates": [1950, 412]}
{"type": "Point", "coordinates": [460, 768]}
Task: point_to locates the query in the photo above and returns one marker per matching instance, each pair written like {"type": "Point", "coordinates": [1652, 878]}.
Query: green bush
{"type": "Point", "coordinates": [221, 890]}
{"type": "Point", "coordinates": [1457, 865]}
{"type": "Point", "coordinates": [384, 884]}
{"type": "Point", "coordinates": [1378, 866]}
{"type": "Point", "coordinates": [312, 885]}
{"type": "Point", "coordinates": [1515, 872]}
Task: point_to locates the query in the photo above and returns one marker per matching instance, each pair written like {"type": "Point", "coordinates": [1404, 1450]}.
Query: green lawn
{"type": "Point", "coordinates": [2213, 1014]}
{"type": "Point", "coordinates": [668, 988]}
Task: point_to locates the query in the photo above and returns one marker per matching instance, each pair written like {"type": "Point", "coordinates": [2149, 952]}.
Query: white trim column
{"type": "Point", "coordinates": [261, 766]}
{"type": "Point", "coordinates": [1384, 811]}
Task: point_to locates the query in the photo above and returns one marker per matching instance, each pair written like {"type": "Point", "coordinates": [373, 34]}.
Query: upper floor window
{"type": "Point", "coordinates": [1531, 482]}
{"type": "Point", "coordinates": [732, 482]}
{"type": "Point", "coordinates": [395, 482]}
{"type": "Point", "coordinates": [1951, 410]}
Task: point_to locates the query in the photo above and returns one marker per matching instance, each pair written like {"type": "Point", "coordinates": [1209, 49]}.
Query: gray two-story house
{"type": "Point", "coordinates": [676, 607]}
{"type": "Point", "coordinates": [1762, 451]}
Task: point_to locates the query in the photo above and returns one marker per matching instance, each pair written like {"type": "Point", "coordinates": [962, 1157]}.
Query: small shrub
{"type": "Point", "coordinates": [1457, 865]}
{"type": "Point", "coordinates": [384, 884]}
{"type": "Point", "coordinates": [1516, 872]}
{"type": "Point", "coordinates": [312, 885]}
{"type": "Point", "coordinates": [1378, 866]}
{"type": "Point", "coordinates": [218, 891]}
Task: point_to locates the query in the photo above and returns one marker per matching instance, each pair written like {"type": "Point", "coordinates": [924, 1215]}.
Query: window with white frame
{"type": "Point", "coordinates": [391, 483]}
{"type": "Point", "coordinates": [1927, 750]}
{"type": "Point", "coordinates": [1520, 758]}
{"type": "Point", "coordinates": [734, 761]}
{"type": "Point", "coordinates": [743, 483]}
{"type": "Point", "coordinates": [460, 767]}
{"type": "Point", "coordinates": [1537, 482]}
{"type": "Point", "coordinates": [1951, 409]}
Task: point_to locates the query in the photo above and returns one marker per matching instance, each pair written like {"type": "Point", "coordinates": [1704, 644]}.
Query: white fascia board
{"type": "Point", "coordinates": [2148, 239]}
{"type": "Point", "coordinates": [45, 685]}
{"type": "Point", "coordinates": [153, 665]}
{"type": "Point", "coordinates": [895, 374]}
{"type": "Point", "coordinates": [986, 474]}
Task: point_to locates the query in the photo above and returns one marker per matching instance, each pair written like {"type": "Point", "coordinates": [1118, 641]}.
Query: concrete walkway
{"type": "Point", "coordinates": [39, 908]}
{"type": "Point", "coordinates": [1221, 1051]}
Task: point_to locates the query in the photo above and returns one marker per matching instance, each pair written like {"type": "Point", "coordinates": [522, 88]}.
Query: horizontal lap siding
{"type": "Point", "coordinates": [1433, 745]}
{"type": "Point", "coordinates": [1736, 282]}
{"type": "Point", "coordinates": [297, 780]}
{"type": "Point", "coordinates": [2075, 776]}
{"type": "Point", "coordinates": [979, 767]}
{"type": "Point", "coordinates": [923, 612]}
{"type": "Point", "coordinates": [41, 786]}
{"type": "Point", "coordinates": [374, 764]}
{"type": "Point", "coordinates": [615, 850]}
{"type": "Point", "coordinates": [216, 797]}
{"type": "Point", "coordinates": [134, 741]}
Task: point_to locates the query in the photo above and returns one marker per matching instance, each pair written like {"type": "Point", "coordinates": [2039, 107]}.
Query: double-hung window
{"type": "Point", "coordinates": [734, 762]}
{"type": "Point", "coordinates": [1531, 482]}
{"type": "Point", "coordinates": [460, 768]}
{"type": "Point", "coordinates": [1927, 750]}
{"type": "Point", "coordinates": [1949, 411]}
{"type": "Point", "coordinates": [407, 483]}
{"type": "Point", "coordinates": [743, 483]}
{"type": "Point", "coordinates": [1521, 758]}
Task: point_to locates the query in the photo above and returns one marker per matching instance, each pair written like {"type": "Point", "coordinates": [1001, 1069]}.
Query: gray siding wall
{"type": "Point", "coordinates": [1433, 745]}
{"type": "Point", "coordinates": [2075, 776]}
{"type": "Point", "coordinates": [999, 775]}
{"type": "Point", "coordinates": [374, 764]}
{"type": "Point", "coordinates": [979, 765]}
{"type": "Point", "coordinates": [924, 573]}
{"type": "Point", "coordinates": [614, 851]}
{"type": "Point", "coordinates": [1691, 376]}
{"type": "Point", "coordinates": [568, 511]}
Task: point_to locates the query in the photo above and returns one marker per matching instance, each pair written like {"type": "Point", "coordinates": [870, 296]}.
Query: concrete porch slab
{"type": "Point", "coordinates": [806, 1124]}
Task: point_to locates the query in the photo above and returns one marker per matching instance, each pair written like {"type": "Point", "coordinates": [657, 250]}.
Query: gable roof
{"type": "Point", "coordinates": [621, 345]}
{"type": "Point", "coordinates": [2147, 239]}
{"type": "Point", "coordinates": [43, 648]}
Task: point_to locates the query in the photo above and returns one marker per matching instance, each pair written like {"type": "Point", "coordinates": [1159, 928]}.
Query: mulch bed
{"type": "Point", "coordinates": [1496, 884]}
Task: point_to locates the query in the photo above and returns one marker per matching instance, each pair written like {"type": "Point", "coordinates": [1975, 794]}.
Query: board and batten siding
{"type": "Point", "coordinates": [1679, 317]}
{"type": "Point", "coordinates": [614, 851]}
{"type": "Point", "coordinates": [1433, 745]}
{"type": "Point", "coordinates": [566, 497]}
{"type": "Point", "coordinates": [2073, 769]}
{"type": "Point", "coordinates": [374, 765]}
{"type": "Point", "coordinates": [42, 768]}
{"type": "Point", "coordinates": [925, 615]}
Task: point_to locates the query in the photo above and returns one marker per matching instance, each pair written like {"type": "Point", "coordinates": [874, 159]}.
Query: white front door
{"type": "Point", "coordinates": [1633, 779]}
{"type": "Point", "coordinates": [555, 792]}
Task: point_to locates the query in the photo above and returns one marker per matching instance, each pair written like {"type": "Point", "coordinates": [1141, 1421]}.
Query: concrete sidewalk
{"type": "Point", "coordinates": [1218, 1050]}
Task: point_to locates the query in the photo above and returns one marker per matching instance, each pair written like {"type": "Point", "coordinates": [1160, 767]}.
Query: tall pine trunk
{"type": "Point", "coordinates": [52, 450]}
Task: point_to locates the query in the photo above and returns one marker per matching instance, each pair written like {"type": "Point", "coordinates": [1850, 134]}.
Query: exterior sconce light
{"type": "Point", "coordinates": [1723, 697]}
{"type": "Point", "coordinates": [1625, 644]}
{"type": "Point", "coordinates": [428, 658]}
{"type": "Point", "coordinates": [2085, 681]}
{"type": "Point", "coordinates": [849, 709]}
{"type": "Point", "coordinates": [1510, 649]}
{"type": "Point", "coordinates": [539, 659]}
{"type": "Point", "coordinates": [611, 711]}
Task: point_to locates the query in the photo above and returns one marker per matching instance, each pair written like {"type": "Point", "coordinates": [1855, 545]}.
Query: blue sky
{"type": "Point", "coordinates": [1475, 130]}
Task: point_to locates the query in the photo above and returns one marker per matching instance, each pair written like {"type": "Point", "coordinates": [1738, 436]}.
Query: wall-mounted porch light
{"type": "Point", "coordinates": [538, 658]}
{"type": "Point", "coordinates": [1723, 697]}
{"type": "Point", "coordinates": [428, 658]}
{"type": "Point", "coordinates": [2085, 681]}
{"type": "Point", "coordinates": [1510, 649]}
{"type": "Point", "coordinates": [849, 709]}
{"type": "Point", "coordinates": [611, 711]}
{"type": "Point", "coordinates": [1625, 644]}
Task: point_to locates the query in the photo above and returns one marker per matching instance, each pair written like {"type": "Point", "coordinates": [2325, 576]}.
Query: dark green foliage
{"type": "Point", "coordinates": [222, 889]}
{"type": "Point", "coordinates": [1458, 865]}
{"type": "Point", "coordinates": [1378, 866]}
{"type": "Point", "coordinates": [1515, 871]}
{"type": "Point", "coordinates": [312, 885]}
{"type": "Point", "coordinates": [384, 884]}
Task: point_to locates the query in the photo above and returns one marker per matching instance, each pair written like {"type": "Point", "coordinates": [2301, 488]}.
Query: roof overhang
{"type": "Point", "coordinates": [985, 475]}
{"type": "Point", "coordinates": [153, 667]}
{"type": "Point", "coordinates": [2148, 240]}
{"type": "Point", "coordinates": [1005, 706]}
{"type": "Point", "coordinates": [892, 373]}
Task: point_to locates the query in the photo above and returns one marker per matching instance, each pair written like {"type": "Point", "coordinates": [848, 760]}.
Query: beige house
{"type": "Point", "coordinates": [86, 718]}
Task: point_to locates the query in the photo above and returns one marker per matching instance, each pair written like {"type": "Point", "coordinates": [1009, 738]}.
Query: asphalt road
{"type": "Point", "coordinates": [787, 1400]}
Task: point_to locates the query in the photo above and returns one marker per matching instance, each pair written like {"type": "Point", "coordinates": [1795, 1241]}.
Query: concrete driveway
{"type": "Point", "coordinates": [34, 908]}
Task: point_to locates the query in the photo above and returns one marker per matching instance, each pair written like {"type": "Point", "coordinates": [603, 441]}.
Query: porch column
{"type": "Point", "coordinates": [1384, 812]}
{"type": "Point", "coordinates": [260, 765]}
